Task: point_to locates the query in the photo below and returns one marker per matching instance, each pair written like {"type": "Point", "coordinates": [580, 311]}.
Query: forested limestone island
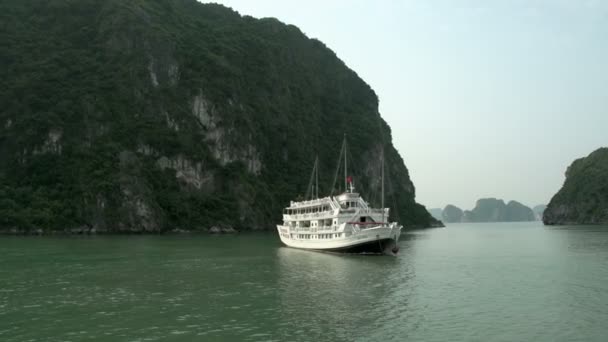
{"type": "Point", "coordinates": [156, 116]}
{"type": "Point", "coordinates": [583, 199]}
{"type": "Point", "coordinates": [489, 210]}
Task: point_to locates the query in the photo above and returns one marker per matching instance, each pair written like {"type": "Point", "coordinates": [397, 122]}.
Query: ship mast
{"type": "Point", "coordinates": [317, 176]}
{"type": "Point", "coordinates": [313, 183]}
{"type": "Point", "coordinates": [382, 185]}
{"type": "Point", "coordinates": [345, 173]}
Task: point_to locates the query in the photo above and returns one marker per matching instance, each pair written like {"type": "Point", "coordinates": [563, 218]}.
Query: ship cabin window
{"type": "Point", "coordinates": [347, 205]}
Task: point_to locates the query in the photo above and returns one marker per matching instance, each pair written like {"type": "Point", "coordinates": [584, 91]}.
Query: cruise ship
{"type": "Point", "coordinates": [342, 223]}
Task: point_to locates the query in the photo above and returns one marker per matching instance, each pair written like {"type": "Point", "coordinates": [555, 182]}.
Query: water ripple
{"type": "Point", "coordinates": [460, 284]}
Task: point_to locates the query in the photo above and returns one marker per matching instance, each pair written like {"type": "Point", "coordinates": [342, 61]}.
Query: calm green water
{"type": "Point", "coordinates": [474, 282]}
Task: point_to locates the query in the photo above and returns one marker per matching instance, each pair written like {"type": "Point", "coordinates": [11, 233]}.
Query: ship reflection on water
{"type": "Point", "coordinates": [340, 291]}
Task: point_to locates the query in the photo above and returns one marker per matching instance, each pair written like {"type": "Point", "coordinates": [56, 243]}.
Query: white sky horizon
{"type": "Point", "coordinates": [484, 98]}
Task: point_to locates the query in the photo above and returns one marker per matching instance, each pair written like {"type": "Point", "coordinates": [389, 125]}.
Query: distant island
{"type": "Point", "coordinates": [489, 210]}
{"type": "Point", "coordinates": [583, 199]}
{"type": "Point", "coordinates": [452, 213]}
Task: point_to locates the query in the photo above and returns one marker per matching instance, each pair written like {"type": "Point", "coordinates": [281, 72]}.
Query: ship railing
{"type": "Point", "coordinates": [309, 215]}
{"type": "Point", "coordinates": [372, 211]}
{"type": "Point", "coordinates": [298, 204]}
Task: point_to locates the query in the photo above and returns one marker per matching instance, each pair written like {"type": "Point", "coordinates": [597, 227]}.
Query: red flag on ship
{"type": "Point", "coordinates": [349, 179]}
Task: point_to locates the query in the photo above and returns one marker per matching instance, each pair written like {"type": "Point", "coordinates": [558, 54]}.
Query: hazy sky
{"type": "Point", "coordinates": [485, 98]}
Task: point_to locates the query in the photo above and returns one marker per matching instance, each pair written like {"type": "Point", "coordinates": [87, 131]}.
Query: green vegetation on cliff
{"type": "Point", "coordinates": [152, 115]}
{"type": "Point", "coordinates": [583, 199]}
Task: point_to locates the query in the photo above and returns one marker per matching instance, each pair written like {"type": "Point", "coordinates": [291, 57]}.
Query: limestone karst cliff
{"type": "Point", "coordinates": [139, 116]}
{"type": "Point", "coordinates": [583, 199]}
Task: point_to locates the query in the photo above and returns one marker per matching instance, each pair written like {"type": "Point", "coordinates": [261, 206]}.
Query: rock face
{"type": "Point", "coordinates": [168, 115]}
{"type": "Point", "coordinates": [452, 214]}
{"type": "Point", "coordinates": [583, 199]}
